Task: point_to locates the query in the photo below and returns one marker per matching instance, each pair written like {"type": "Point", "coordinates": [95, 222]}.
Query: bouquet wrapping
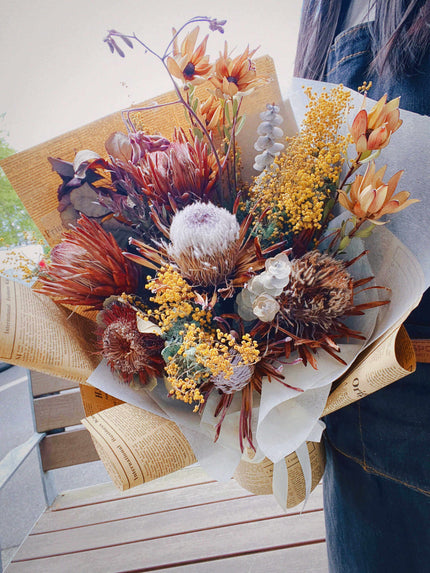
{"type": "Point", "coordinates": [265, 433]}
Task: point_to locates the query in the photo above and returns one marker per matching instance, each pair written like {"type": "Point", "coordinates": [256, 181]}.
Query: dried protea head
{"type": "Point", "coordinates": [180, 175]}
{"type": "Point", "coordinates": [205, 243]}
{"type": "Point", "coordinates": [127, 350]}
{"type": "Point", "coordinates": [241, 376]}
{"type": "Point", "coordinates": [320, 291]}
{"type": "Point", "coordinates": [87, 267]}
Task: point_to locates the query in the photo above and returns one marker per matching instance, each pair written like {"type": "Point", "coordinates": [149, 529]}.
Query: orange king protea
{"type": "Point", "coordinates": [87, 267]}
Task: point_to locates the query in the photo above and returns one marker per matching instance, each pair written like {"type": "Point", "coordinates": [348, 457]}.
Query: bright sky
{"type": "Point", "coordinates": [57, 73]}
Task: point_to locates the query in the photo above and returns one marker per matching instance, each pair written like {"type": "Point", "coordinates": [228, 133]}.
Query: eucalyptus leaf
{"type": "Point", "coordinates": [366, 232]}
{"type": "Point", "coordinates": [344, 243]}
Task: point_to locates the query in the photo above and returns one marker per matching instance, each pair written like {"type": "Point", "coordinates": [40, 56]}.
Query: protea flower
{"type": "Point", "coordinates": [127, 350]}
{"type": "Point", "coordinates": [204, 243]}
{"type": "Point", "coordinates": [210, 248]}
{"type": "Point", "coordinates": [371, 198]}
{"type": "Point", "coordinates": [189, 64]}
{"type": "Point", "coordinates": [87, 267]}
{"type": "Point", "coordinates": [373, 131]}
{"type": "Point", "coordinates": [182, 174]}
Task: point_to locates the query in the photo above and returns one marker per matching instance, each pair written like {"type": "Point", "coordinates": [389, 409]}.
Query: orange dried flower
{"type": "Point", "coordinates": [233, 75]}
{"type": "Point", "coordinates": [211, 111]}
{"type": "Point", "coordinates": [87, 267]}
{"type": "Point", "coordinates": [189, 64]}
{"type": "Point", "coordinates": [371, 198]}
{"type": "Point", "coordinates": [372, 131]}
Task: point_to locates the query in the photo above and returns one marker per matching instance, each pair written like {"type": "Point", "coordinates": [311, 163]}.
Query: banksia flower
{"type": "Point", "coordinates": [127, 350]}
{"type": "Point", "coordinates": [87, 267]}
{"type": "Point", "coordinates": [205, 243]}
{"type": "Point", "coordinates": [319, 292]}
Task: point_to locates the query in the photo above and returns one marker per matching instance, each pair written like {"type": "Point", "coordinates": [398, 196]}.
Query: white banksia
{"type": "Point", "coordinates": [204, 243]}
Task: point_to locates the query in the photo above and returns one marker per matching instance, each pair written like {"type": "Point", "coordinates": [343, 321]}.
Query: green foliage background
{"type": "Point", "coordinates": [16, 226]}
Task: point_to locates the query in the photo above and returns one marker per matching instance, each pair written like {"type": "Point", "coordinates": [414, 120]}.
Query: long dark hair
{"type": "Point", "coordinates": [400, 35]}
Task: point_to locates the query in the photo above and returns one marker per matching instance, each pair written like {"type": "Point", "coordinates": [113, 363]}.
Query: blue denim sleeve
{"type": "Point", "coordinates": [377, 480]}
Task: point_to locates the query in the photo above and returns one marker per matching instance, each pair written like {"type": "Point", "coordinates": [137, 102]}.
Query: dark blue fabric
{"type": "Point", "coordinates": [377, 481]}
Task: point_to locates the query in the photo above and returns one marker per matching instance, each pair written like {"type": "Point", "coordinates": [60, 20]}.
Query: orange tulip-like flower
{"type": "Point", "coordinates": [233, 75]}
{"type": "Point", "coordinates": [189, 64]}
{"type": "Point", "coordinates": [371, 198]}
{"type": "Point", "coordinates": [372, 131]}
{"type": "Point", "coordinates": [211, 110]}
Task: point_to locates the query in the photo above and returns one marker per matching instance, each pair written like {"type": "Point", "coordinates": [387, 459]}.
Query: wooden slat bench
{"type": "Point", "coordinates": [58, 411]}
{"type": "Point", "coordinates": [184, 522]}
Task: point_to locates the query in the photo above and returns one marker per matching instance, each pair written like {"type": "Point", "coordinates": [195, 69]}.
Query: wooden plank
{"type": "Point", "coordinates": [191, 475]}
{"type": "Point", "coordinates": [153, 502]}
{"type": "Point", "coordinates": [153, 526]}
{"type": "Point", "coordinates": [147, 555]}
{"type": "Point", "coordinates": [302, 559]}
{"type": "Point", "coordinates": [67, 449]}
{"type": "Point", "coordinates": [141, 505]}
{"type": "Point", "coordinates": [58, 411]}
{"type": "Point", "coordinates": [46, 384]}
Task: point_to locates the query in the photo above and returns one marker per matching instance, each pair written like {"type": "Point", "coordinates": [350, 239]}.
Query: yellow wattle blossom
{"type": "Point", "coordinates": [202, 351]}
{"type": "Point", "coordinates": [173, 295]}
{"type": "Point", "coordinates": [205, 354]}
{"type": "Point", "coordinates": [295, 190]}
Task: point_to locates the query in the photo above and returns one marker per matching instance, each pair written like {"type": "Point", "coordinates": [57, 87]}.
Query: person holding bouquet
{"type": "Point", "coordinates": [376, 485]}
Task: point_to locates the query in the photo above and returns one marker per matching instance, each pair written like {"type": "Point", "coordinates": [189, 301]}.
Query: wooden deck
{"type": "Point", "coordinates": [184, 522]}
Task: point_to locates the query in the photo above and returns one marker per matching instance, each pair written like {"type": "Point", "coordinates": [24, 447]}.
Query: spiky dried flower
{"type": "Point", "coordinates": [182, 174]}
{"type": "Point", "coordinates": [241, 376]}
{"type": "Point", "coordinates": [319, 292]}
{"type": "Point", "coordinates": [87, 267]}
{"type": "Point", "coordinates": [128, 351]}
{"type": "Point", "coordinates": [204, 243]}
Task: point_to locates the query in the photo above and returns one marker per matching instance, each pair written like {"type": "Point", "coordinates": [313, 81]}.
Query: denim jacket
{"type": "Point", "coordinates": [378, 457]}
{"type": "Point", "coordinates": [347, 63]}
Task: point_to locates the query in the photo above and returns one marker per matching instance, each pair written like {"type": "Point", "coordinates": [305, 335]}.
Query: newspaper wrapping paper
{"type": "Point", "coordinates": [285, 419]}
{"type": "Point", "coordinates": [388, 256]}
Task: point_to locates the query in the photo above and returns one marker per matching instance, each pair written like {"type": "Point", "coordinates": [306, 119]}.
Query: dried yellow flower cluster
{"type": "Point", "coordinates": [294, 192]}
{"type": "Point", "coordinates": [173, 295]}
{"type": "Point", "coordinates": [201, 351]}
{"type": "Point", "coordinates": [202, 355]}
